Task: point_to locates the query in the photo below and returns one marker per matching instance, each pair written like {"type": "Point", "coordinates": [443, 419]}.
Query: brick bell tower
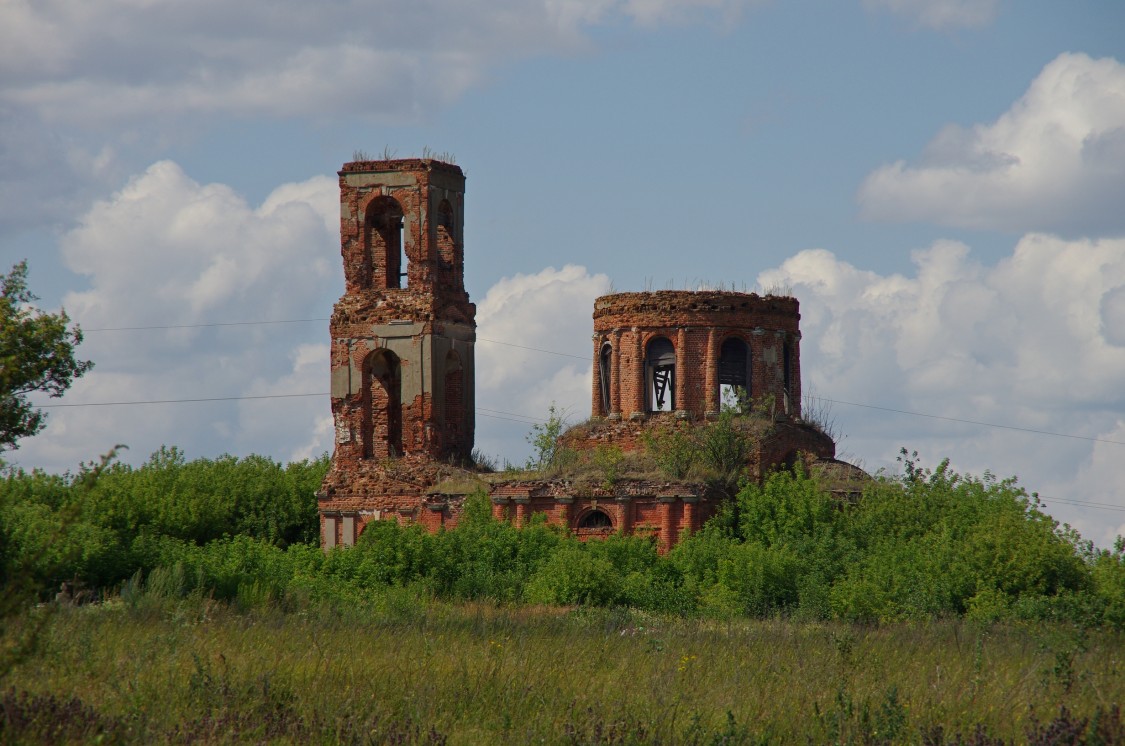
{"type": "Point", "coordinates": [402, 342]}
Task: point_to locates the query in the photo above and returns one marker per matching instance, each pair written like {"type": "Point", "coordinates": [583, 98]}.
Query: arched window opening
{"type": "Point", "coordinates": [734, 374]}
{"type": "Point", "coordinates": [605, 358]}
{"type": "Point", "coordinates": [596, 519]}
{"type": "Point", "coordinates": [660, 375]}
{"type": "Point", "coordinates": [382, 406]}
{"type": "Point", "coordinates": [448, 256]}
{"type": "Point", "coordinates": [384, 229]}
{"type": "Point", "coordinates": [454, 401]}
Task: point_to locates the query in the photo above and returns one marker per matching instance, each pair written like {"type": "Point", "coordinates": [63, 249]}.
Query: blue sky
{"type": "Point", "coordinates": [940, 183]}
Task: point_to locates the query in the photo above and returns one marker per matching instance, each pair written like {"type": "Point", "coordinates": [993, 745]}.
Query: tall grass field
{"type": "Point", "coordinates": [403, 669]}
{"type": "Point", "coordinates": [190, 602]}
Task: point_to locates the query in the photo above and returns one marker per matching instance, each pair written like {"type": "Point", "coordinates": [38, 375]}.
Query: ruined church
{"type": "Point", "coordinates": [402, 385]}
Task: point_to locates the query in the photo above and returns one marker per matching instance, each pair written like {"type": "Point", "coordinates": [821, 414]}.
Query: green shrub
{"type": "Point", "coordinates": [103, 524]}
{"type": "Point", "coordinates": [926, 545]}
{"type": "Point", "coordinates": [724, 447]}
{"type": "Point", "coordinates": [762, 580]}
{"type": "Point", "coordinates": [575, 576]}
{"type": "Point", "coordinates": [674, 449]}
{"type": "Point", "coordinates": [608, 460]}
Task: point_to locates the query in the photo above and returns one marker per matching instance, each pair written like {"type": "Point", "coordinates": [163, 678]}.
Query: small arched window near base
{"type": "Point", "coordinates": [596, 519]}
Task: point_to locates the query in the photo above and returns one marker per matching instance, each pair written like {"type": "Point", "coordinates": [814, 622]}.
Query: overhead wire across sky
{"type": "Point", "coordinates": [532, 420]}
{"type": "Point", "coordinates": [157, 327]}
{"type": "Point", "coordinates": [512, 414]}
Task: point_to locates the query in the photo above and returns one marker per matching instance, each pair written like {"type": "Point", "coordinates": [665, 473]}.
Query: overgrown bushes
{"type": "Point", "coordinates": [929, 544]}
{"type": "Point", "coordinates": [100, 526]}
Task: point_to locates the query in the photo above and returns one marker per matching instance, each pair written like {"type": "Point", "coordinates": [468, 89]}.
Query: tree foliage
{"type": "Point", "coordinates": [724, 447]}
{"type": "Point", "coordinates": [36, 354]}
{"type": "Point", "coordinates": [544, 438]}
{"type": "Point", "coordinates": [100, 531]}
{"type": "Point", "coordinates": [928, 544]}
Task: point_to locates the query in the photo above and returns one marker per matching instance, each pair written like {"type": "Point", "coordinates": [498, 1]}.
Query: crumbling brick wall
{"type": "Point", "coordinates": [697, 344]}
{"type": "Point", "coordinates": [402, 339]}
{"type": "Point", "coordinates": [698, 328]}
{"type": "Point", "coordinates": [664, 510]}
{"type": "Point", "coordinates": [402, 368]}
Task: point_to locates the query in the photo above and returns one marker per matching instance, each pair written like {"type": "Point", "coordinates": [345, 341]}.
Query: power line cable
{"type": "Point", "coordinates": [512, 414]}
{"type": "Point", "coordinates": [536, 420]}
{"type": "Point", "coordinates": [523, 419]}
{"type": "Point", "coordinates": [528, 420]}
{"type": "Point", "coordinates": [508, 419]}
{"type": "Point", "coordinates": [974, 422]}
{"type": "Point", "coordinates": [178, 401]}
{"type": "Point", "coordinates": [197, 326]}
{"type": "Point", "coordinates": [165, 327]}
{"type": "Point", "coordinates": [979, 423]}
{"type": "Point", "coordinates": [1081, 503]}
{"type": "Point", "coordinates": [536, 349]}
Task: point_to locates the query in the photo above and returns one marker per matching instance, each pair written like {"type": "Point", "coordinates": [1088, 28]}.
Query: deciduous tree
{"type": "Point", "coordinates": [36, 354]}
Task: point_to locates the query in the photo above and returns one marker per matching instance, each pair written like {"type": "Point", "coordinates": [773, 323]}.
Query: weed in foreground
{"type": "Point", "coordinates": [480, 673]}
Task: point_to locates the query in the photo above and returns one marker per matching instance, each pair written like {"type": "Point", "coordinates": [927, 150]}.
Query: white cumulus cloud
{"type": "Point", "coordinates": [200, 250]}
{"type": "Point", "coordinates": [168, 251]}
{"type": "Point", "coordinates": [518, 318]}
{"type": "Point", "coordinates": [117, 60]}
{"type": "Point", "coordinates": [88, 90]}
{"type": "Point", "coordinates": [941, 14]}
{"type": "Point", "coordinates": [651, 12]}
{"type": "Point", "coordinates": [1033, 342]}
{"type": "Point", "coordinates": [1023, 343]}
{"type": "Point", "coordinates": [1055, 161]}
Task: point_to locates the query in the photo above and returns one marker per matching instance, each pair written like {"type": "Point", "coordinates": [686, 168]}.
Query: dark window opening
{"type": "Point", "coordinates": [445, 216]}
{"type": "Point", "coordinates": [660, 375]}
{"type": "Point", "coordinates": [595, 519]}
{"type": "Point", "coordinates": [454, 403]}
{"type": "Point", "coordinates": [382, 407]}
{"type": "Point", "coordinates": [604, 360]}
{"type": "Point", "coordinates": [450, 270]}
{"type": "Point", "coordinates": [734, 374]}
{"type": "Point", "coordinates": [787, 374]}
{"type": "Point", "coordinates": [384, 237]}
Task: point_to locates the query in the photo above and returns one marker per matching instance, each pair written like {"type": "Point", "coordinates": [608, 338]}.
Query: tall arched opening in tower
{"type": "Point", "coordinates": [660, 375]}
{"type": "Point", "coordinates": [605, 360]}
{"type": "Point", "coordinates": [382, 405]}
{"type": "Point", "coordinates": [385, 244]}
{"type": "Point", "coordinates": [734, 374]}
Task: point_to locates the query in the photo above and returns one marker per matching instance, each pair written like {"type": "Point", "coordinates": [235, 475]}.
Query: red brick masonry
{"type": "Point", "coordinates": [402, 367]}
